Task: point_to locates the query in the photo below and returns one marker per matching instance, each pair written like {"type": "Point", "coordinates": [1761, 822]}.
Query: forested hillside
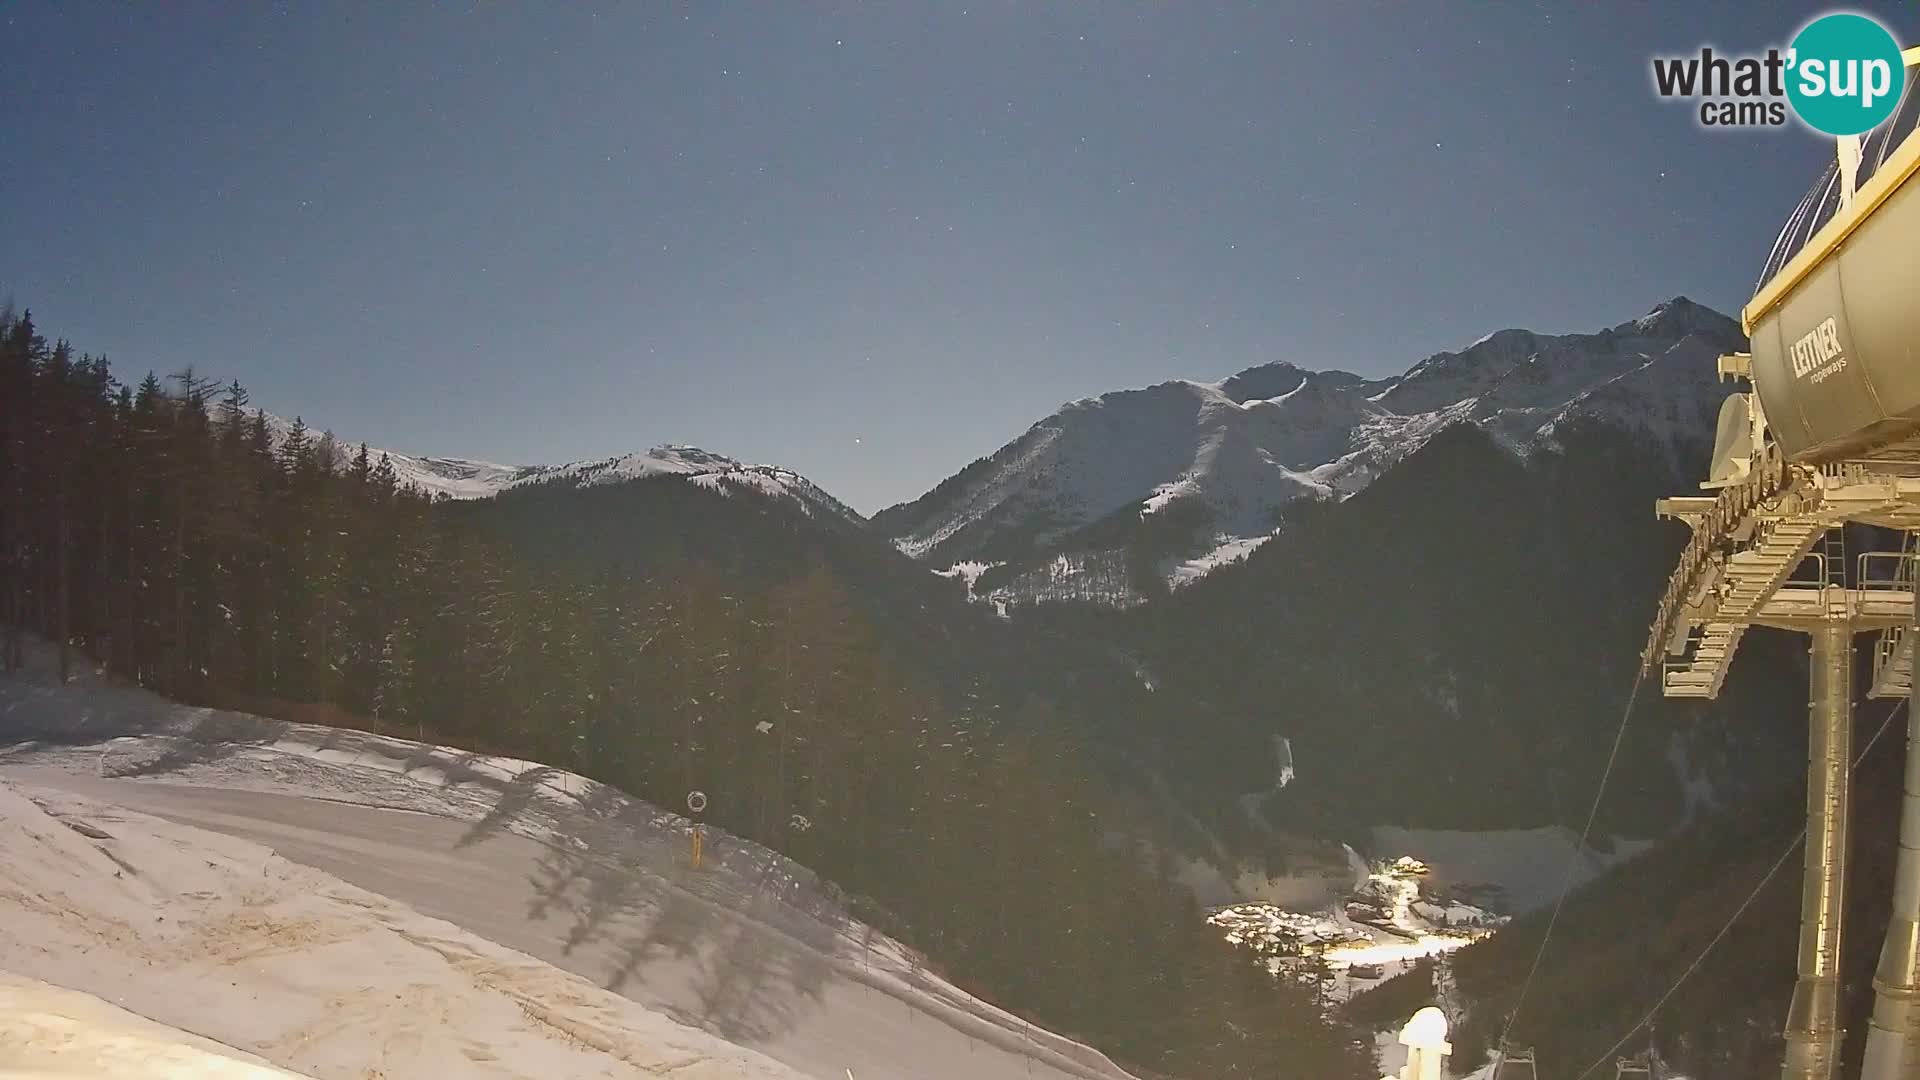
{"type": "Point", "coordinates": [728, 647]}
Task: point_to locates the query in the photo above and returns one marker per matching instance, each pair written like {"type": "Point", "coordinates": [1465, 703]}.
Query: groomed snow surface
{"type": "Point", "coordinates": [48, 1031]}
{"type": "Point", "coordinates": [344, 905]}
{"type": "Point", "coordinates": [222, 937]}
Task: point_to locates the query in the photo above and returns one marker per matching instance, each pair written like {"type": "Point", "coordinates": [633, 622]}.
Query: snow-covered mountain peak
{"type": "Point", "coordinates": [1679, 317]}
{"type": "Point", "coordinates": [1239, 449]}
{"type": "Point", "coordinates": [1447, 378]}
{"type": "Point", "coordinates": [469, 478]}
{"type": "Point", "coordinates": [453, 477]}
{"type": "Point", "coordinates": [663, 460]}
{"type": "Point", "coordinates": [692, 457]}
{"type": "Point", "coordinates": [1265, 381]}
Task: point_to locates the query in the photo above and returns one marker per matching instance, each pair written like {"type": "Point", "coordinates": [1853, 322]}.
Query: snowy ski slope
{"type": "Point", "coordinates": [533, 877]}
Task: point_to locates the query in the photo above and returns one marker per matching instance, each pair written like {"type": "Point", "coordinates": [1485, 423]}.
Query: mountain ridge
{"type": "Point", "coordinates": [463, 478]}
{"type": "Point", "coordinates": [1241, 449]}
{"type": "Point", "coordinates": [1068, 509]}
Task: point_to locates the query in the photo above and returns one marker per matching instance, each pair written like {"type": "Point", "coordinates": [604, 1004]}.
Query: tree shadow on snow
{"type": "Point", "coordinates": [511, 805]}
{"type": "Point", "coordinates": [755, 985]}
{"type": "Point", "coordinates": [623, 887]}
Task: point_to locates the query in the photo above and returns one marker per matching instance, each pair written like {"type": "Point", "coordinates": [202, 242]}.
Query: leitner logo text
{"type": "Point", "coordinates": [1817, 351]}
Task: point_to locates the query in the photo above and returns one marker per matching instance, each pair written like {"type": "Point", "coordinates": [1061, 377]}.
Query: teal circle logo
{"type": "Point", "coordinates": [1844, 74]}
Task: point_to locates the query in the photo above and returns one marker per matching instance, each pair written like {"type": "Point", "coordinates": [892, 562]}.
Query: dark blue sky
{"type": "Point", "coordinates": [533, 232]}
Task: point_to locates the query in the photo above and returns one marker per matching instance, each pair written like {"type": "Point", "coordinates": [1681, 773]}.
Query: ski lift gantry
{"type": "Point", "coordinates": [1828, 434]}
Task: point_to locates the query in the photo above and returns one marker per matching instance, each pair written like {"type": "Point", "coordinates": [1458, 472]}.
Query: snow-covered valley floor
{"type": "Point", "coordinates": [347, 905]}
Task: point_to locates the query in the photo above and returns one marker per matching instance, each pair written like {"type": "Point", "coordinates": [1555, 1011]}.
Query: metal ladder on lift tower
{"type": "Point", "coordinates": [1833, 558]}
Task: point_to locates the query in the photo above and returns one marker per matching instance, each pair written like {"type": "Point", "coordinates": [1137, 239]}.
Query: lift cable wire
{"type": "Point", "coordinates": [1772, 871]}
{"type": "Point", "coordinates": [1573, 858]}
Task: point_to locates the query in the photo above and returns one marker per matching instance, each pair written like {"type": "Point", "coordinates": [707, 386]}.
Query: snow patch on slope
{"type": "Point", "coordinates": [968, 572]}
{"type": "Point", "coordinates": [1228, 549]}
{"type": "Point", "coordinates": [1252, 803]}
{"type": "Point", "coordinates": [1099, 577]}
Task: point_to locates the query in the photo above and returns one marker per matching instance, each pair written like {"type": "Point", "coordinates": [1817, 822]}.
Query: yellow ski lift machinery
{"type": "Point", "coordinates": [1829, 434]}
